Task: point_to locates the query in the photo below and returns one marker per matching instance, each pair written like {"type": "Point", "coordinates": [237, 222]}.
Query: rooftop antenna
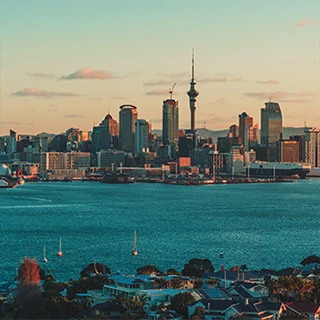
{"type": "Point", "coordinates": [171, 91]}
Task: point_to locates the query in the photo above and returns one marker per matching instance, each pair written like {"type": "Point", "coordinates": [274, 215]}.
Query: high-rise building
{"type": "Point", "coordinates": [142, 134]}
{"type": "Point", "coordinates": [128, 115]}
{"type": "Point", "coordinates": [11, 142]}
{"type": "Point", "coordinates": [312, 146]}
{"type": "Point", "coordinates": [271, 123]}
{"type": "Point", "coordinates": [245, 121]}
{"type": "Point", "coordinates": [105, 136]}
{"type": "Point", "coordinates": [170, 122]}
{"type": "Point", "coordinates": [288, 151]}
{"type": "Point", "coordinates": [193, 93]}
{"type": "Point", "coordinates": [233, 131]}
{"type": "Point", "coordinates": [248, 132]}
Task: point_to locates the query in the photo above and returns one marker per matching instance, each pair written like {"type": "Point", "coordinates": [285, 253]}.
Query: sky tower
{"type": "Point", "coordinates": [193, 93]}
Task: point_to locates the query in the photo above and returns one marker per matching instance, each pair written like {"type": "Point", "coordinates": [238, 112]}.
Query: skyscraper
{"type": "Point", "coordinates": [193, 93]}
{"type": "Point", "coordinates": [128, 115]}
{"type": "Point", "coordinates": [142, 134]}
{"type": "Point", "coordinates": [245, 121]}
{"type": "Point", "coordinates": [312, 146]}
{"type": "Point", "coordinates": [271, 123]}
{"type": "Point", "coordinates": [170, 122]}
{"type": "Point", "coordinates": [105, 136]}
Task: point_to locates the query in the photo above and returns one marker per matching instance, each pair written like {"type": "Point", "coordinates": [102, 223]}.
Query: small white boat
{"type": "Point", "coordinates": [134, 249]}
{"type": "Point", "coordinates": [44, 255]}
{"type": "Point", "coordinates": [59, 254]}
{"type": "Point", "coordinates": [221, 255]}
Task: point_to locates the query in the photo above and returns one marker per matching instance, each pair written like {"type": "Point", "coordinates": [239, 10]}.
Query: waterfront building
{"type": "Point", "coordinates": [105, 136]}
{"type": "Point", "coordinates": [170, 122]}
{"type": "Point", "coordinates": [301, 140]}
{"type": "Point", "coordinates": [250, 156]}
{"type": "Point", "coordinates": [109, 158]}
{"type": "Point", "coordinates": [233, 161]}
{"type": "Point", "coordinates": [288, 151]}
{"type": "Point", "coordinates": [271, 123]}
{"type": "Point", "coordinates": [271, 127]}
{"type": "Point", "coordinates": [193, 93]}
{"type": "Point", "coordinates": [312, 147]}
{"type": "Point", "coordinates": [128, 115]}
{"type": "Point", "coordinates": [62, 160]}
{"type": "Point", "coordinates": [76, 160]}
{"type": "Point", "coordinates": [142, 136]}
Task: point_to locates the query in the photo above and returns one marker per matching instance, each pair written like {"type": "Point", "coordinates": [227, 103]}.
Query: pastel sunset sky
{"type": "Point", "coordinates": [68, 63]}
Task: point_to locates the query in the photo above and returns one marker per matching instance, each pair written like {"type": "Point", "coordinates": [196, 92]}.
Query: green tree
{"type": "Point", "coordinates": [180, 303]}
{"type": "Point", "coordinates": [148, 270]}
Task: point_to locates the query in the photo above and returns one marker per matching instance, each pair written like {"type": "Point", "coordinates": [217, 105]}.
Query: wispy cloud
{"type": "Point", "coordinates": [295, 100]}
{"type": "Point", "coordinates": [42, 75]}
{"type": "Point", "coordinates": [158, 83]}
{"type": "Point", "coordinates": [220, 79]}
{"type": "Point", "coordinates": [118, 98]}
{"type": "Point", "coordinates": [11, 122]}
{"type": "Point", "coordinates": [73, 115]}
{"type": "Point", "coordinates": [303, 22]}
{"type": "Point", "coordinates": [88, 74]}
{"type": "Point", "coordinates": [280, 95]}
{"type": "Point", "coordinates": [32, 92]}
{"type": "Point", "coordinates": [268, 81]}
{"type": "Point", "coordinates": [157, 92]}
{"type": "Point", "coordinates": [218, 101]}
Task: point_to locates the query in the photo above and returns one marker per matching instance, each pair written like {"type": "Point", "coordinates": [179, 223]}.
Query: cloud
{"type": "Point", "coordinates": [118, 98]}
{"type": "Point", "coordinates": [303, 22]}
{"type": "Point", "coordinates": [295, 100]}
{"type": "Point", "coordinates": [89, 74]}
{"type": "Point", "coordinates": [132, 73]}
{"type": "Point", "coordinates": [157, 83]}
{"type": "Point", "coordinates": [42, 75]}
{"type": "Point", "coordinates": [268, 81]}
{"type": "Point", "coordinates": [32, 92]}
{"type": "Point", "coordinates": [219, 101]}
{"type": "Point", "coordinates": [237, 79]}
{"type": "Point", "coordinates": [30, 123]}
{"type": "Point", "coordinates": [74, 115]}
{"type": "Point", "coordinates": [278, 95]}
{"type": "Point", "coordinates": [175, 75]}
{"type": "Point", "coordinates": [157, 92]}
{"type": "Point", "coordinates": [12, 122]}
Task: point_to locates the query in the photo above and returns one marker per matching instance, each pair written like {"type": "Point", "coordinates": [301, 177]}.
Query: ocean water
{"type": "Point", "coordinates": [261, 225]}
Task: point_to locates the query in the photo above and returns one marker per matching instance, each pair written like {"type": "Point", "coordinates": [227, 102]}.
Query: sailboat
{"type": "Point", "coordinates": [44, 255]}
{"type": "Point", "coordinates": [134, 249]}
{"type": "Point", "coordinates": [60, 248]}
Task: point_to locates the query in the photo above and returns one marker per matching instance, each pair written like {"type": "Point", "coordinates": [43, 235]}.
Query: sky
{"type": "Point", "coordinates": [68, 63]}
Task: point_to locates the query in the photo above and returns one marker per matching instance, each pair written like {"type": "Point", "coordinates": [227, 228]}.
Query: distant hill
{"type": "Point", "coordinates": [205, 133]}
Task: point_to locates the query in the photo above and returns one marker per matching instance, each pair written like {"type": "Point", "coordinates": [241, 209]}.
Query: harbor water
{"type": "Point", "coordinates": [272, 225]}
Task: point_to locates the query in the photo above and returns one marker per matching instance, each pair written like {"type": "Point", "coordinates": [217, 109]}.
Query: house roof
{"type": "Point", "coordinates": [304, 307]}
{"type": "Point", "coordinates": [267, 306]}
{"type": "Point", "coordinates": [228, 275]}
{"type": "Point", "coordinates": [214, 293]}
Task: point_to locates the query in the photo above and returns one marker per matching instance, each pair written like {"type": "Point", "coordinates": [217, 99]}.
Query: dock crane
{"type": "Point", "coordinates": [171, 91]}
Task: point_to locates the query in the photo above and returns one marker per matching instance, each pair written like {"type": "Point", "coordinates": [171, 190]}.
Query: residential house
{"type": "Point", "coordinates": [312, 310]}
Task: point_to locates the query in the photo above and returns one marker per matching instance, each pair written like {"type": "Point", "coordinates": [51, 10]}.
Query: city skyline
{"type": "Point", "coordinates": [64, 66]}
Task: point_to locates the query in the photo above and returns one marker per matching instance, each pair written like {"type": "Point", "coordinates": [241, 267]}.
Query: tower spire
{"type": "Point", "coordinates": [193, 93]}
{"type": "Point", "coordinates": [192, 63]}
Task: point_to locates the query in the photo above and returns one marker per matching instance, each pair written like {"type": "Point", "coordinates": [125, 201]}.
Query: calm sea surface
{"type": "Point", "coordinates": [262, 225]}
